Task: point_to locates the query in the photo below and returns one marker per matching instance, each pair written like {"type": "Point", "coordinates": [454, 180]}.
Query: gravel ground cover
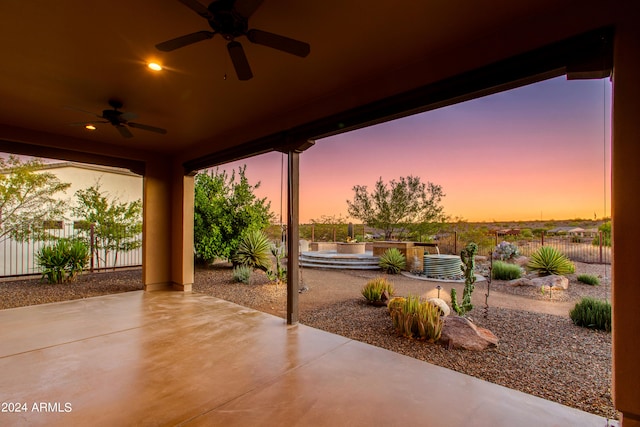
{"type": "Point", "coordinates": [18, 293]}
{"type": "Point", "coordinates": [539, 353]}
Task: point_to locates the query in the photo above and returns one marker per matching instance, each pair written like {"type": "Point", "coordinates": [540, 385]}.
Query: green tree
{"type": "Point", "coordinates": [605, 229]}
{"type": "Point", "coordinates": [398, 206]}
{"type": "Point", "coordinates": [226, 210]}
{"type": "Point", "coordinates": [117, 225]}
{"type": "Point", "coordinates": [27, 198]}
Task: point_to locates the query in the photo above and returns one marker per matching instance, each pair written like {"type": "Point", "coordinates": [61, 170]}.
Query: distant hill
{"type": "Point", "coordinates": [546, 224]}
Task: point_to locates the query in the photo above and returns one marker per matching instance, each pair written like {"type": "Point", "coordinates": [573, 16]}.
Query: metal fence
{"type": "Point", "coordinates": [19, 258]}
{"type": "Point", "coordinates": [588, 249]}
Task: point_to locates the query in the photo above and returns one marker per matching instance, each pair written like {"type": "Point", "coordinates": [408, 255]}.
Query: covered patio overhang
{"type": "Point", "coordinates": [353, 81]}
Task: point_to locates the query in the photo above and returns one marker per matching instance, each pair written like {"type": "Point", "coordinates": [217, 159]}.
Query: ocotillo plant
{"type": "Point", "coordinates": [468, 267]}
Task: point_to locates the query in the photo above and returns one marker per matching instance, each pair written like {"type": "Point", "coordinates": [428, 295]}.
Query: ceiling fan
{"type": "Point", "coordinates": [229, 18]}
{"type": "Point", "coordinates": [119, 120]}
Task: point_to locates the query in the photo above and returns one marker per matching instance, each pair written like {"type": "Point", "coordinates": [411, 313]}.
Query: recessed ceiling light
{"type": "Point", "coordinates": [90, 127]}
{"type": "Point", "coordinates": [154, 66]}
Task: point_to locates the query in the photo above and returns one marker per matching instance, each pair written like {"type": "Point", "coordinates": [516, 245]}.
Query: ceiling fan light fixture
{"type": "Point", "coordinates": [154, 66]}
{"type": "Point", "coordinates": [90, 126]}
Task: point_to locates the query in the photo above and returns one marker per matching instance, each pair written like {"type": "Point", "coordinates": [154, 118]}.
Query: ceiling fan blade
{"type": "Point", "coordinates": [128, 116]}
{"type": "Point", "coordinates": [282, 43]}
{"type": "Point", "coordinates": [68, 107]}
{"type": "Point", "coordinates": [147, 127]}
{"type": "Point", "coordinates": [239, 59]}
{"type": "Point", "coordinates": [124, 131]}
{"type": "Point", "coordinates": [198, 8]}
{"type": "Point", "coordinates": [91, 122]}
{"type": "Point", "coordinates": [246, 7]}
{"type": "Point", "coordinates": [183, 41]}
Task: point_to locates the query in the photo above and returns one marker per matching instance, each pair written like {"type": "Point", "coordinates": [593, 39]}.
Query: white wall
{"type": "Point", "coordinates": [115, 182]}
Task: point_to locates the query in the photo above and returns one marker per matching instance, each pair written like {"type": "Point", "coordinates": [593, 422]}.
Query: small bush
{"type": "Point", "coordinates": [375, 288]}
{"type": "Point", "coordinates": [63, 261]}
{"type": "Point", "coordinates": [392, 261]}
{"type": "Point", "coordinates": [414, 318]}
{"type": "Point", "coordinates": [78, 259]}
{"type": "Point", "coordinates": [589, 279]}
{"type": "Point", "coordinates": [505, 251]}
{"type": "Point", "coordinates": [53, 261]}
{"type": "Point", "coordinates": [592, 313]}
{"type": "Point", "coordinates": [548, 260]}
{"type": "Point", "coordinates": [505, 271]}
{"type": "Point", "coordinates": [254, 251]}
{"type": "Point", "coordinates": [242, 273]}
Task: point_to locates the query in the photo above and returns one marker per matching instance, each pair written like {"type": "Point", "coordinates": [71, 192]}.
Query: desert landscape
{"type": "Point", "coordinates": [540, 350]}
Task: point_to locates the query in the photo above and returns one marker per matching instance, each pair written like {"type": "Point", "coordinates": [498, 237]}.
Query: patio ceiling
{"type": "Point", "coordinates": [59, 57]}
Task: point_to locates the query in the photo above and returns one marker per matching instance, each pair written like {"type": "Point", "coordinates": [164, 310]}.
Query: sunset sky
{"type": "Point", "coordinates": [537, 152]}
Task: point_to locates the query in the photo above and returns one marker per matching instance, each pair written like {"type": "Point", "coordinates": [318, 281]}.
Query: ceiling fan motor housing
{"type": "Point", "coordinates": [113, 116]}
{"type": "Point", "coordinates": [226, 21]}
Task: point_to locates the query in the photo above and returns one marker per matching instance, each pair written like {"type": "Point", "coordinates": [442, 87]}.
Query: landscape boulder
{"type": "Point", "coordinates": [523, 281]}
{"type": "Point", "coordinates": [521, 261]}
{"type": "Point", "coordinates": [459, 332]}
{"type": "Point", "coordinates": [557, 283]}
{"type": "Point", "coordinates": [441, 304]}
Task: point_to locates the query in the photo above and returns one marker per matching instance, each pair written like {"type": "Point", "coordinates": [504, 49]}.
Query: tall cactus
{"type": "Point", "coordinates": [468, 269]}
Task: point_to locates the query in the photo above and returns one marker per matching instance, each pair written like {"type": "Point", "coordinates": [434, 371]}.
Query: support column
{"type": "Point", "coordinates": [625, 227]}
{"type": "Point", "coordinates": [293, 236]}
{"type": "Point", "coordinates": [182, 265]}
{"type": "Point", "coordinates": [167, 244]}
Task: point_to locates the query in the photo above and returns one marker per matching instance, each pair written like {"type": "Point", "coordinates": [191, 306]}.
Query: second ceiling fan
{"type": "Point", "coordinates": [230, 19]}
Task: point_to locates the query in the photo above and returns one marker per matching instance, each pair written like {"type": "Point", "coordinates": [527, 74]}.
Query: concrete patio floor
{"type": "Point", "coordinates": [171, 358]}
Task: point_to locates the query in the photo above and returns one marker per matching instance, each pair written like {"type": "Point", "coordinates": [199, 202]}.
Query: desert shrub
{"type": "Point", "coordinates": [392, 261]}
{"type": "Point", "coordinates": [62, 261]}
{"type": "Point", "coordinates": [505, 271]}
{"type": "Point", "coordinates": [254, 251]}
{"type": "Point", "coordinates": [242, 273]}
{"type": "Point", "coordinates": [395, 303]}
{"type": "Point", "coordinates": [592, 313]}
{"type": "Point", "coordinates": [78, 259]}
{"type": "Point", "coordinates": [52, 260]}
{"type": "Point", "coordinates": [375, 288]}
{"type": "Point", "coordinates": [589, 279]}
{"type": "Point", "coordinates": [526, 233]}
{"type": "Point", "coordinates": [414, 318]}
{"type": "Point", "coordinates": [548, 260]}
{"type": "Point", "coordinates": [505, 251]}
{"type": "Point", "coordinates": [540, 231]}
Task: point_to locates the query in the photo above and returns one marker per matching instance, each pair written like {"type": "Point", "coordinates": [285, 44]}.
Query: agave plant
{"type": "Point", "coordinates": [392, 261]}
{"type": "Point", "coordinates": [254, 251]}
{"type": "Point", "coordinates": [53, 261]}
{"type": "Point", "coordinates": [78, 259]}
{"type": "Point", "coordinates": [548, 260]}
{"type": "Point", "coordinates": [375, 288]}
{"type": "Point", "coordinates": [63, 261]}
